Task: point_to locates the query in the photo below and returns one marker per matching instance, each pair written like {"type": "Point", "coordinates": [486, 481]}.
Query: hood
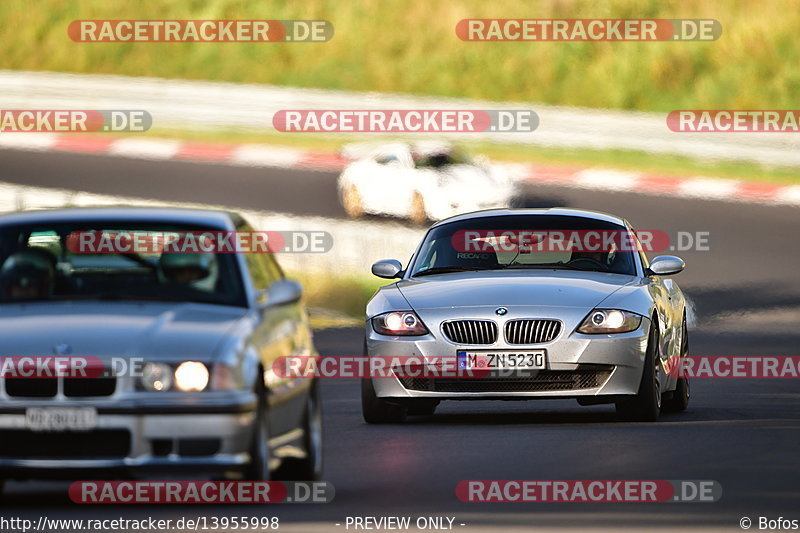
{"type": "Point", "coordinates": [549, 288]}
{"type": "Point", "coordinates": [459, 181]}
{"type": "Point", "coordinates": [164, 331]}
{"type": "Point", "coordinates": [463, 175]}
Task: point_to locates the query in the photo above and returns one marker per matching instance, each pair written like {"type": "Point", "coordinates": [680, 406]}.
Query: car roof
{"type": "Point", "coordinates": [552, 211]}
{"type": "Point", "coordinates": [168, 215]}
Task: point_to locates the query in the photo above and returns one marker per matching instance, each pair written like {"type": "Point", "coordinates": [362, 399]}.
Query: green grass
{"type": "Point", "coordinates": [410, 47]}
{"type": "Point", "coordinates": [337, 300]}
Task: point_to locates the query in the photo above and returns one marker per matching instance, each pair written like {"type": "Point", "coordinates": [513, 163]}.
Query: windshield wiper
{"type": "Point", "coordinates": [445, 270]}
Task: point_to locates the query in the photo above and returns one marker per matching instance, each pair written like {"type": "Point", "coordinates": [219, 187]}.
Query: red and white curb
{"type": "Point", "coordinates": [256, 155]}
{"type": "Point", "coordinates": [695, 187]}
{"type": "Point", "coordinates": [259, 155]}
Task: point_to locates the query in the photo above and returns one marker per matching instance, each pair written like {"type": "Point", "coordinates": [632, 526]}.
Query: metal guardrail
{"type": "Point", "coordinates": [212, 105]}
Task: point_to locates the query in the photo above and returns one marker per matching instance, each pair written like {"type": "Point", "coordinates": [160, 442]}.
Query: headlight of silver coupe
{"type": "Point", "coordinates": [401, 323]}
{"type": "Point", "coordinates": [610, 321]}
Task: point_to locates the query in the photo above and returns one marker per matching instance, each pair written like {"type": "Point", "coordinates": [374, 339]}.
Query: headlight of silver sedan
{"type": "Point", "coordinates": [191, 376]}
{"type": "Point", "coordinates": [188, 376]}
{"type": "Point", "coordinates": [156, 377]}
{"type": "Point", "coordinates": [402, 323]}
{"type": "Point", "coordinates": [610, 321]}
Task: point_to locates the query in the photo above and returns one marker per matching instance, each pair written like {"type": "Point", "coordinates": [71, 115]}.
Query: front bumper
{"type": "Point", "coordinates": [132, 436]}
{"type": "Point", "coordinates": [578, 366]}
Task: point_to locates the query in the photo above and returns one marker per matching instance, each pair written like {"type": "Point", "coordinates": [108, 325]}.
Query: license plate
{"type": "Point", "coordinates": [505, 360]}
{"type": "Point", "coordinates": [60, 418]}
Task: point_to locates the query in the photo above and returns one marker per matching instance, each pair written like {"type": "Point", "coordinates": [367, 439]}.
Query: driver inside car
{"type": "Point", "coordinates": [27, 275]}
{"type": "Point", "coordinates": [598, 257]}
{"type": "Point", "coordinates": [186, 269]}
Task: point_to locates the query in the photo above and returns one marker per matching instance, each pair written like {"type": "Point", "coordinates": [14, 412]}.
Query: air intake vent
{"type": "Point", "coordinates": [532, 331]}
{"type": "Point", "coordinates": [471, 331]}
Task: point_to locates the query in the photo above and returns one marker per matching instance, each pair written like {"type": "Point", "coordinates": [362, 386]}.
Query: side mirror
{"type": "Point", "coordinates": [388, 268]}
{"type": "Point", "coordinates": [666, 265]}
{"type": "Point", "coordinates": [281, 292]}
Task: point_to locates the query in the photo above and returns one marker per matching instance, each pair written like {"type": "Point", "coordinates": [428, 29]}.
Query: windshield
{"type": "Point", "coordinates": [527, 242]}
{"type": "Point", "coordinates": [437, 160]}
{"type": "Point", "coordinates": [37, 264]}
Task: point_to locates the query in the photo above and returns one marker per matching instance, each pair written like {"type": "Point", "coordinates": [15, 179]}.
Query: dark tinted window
{"type": "Point", "coordinates": [36, 263]}
{"type": "Point", "coordinates": [263, 268]}
{"type": "Point", "coordinates": [528, 241]}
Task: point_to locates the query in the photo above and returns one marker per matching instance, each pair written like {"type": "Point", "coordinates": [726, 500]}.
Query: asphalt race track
{"type": "Point", "coordinates": [742, 433]}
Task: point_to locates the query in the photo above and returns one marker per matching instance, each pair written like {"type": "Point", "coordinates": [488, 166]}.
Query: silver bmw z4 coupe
{"type": "Point", "coordinates": [529, 303]}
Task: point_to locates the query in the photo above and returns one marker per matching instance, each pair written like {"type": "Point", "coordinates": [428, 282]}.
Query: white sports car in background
{"type": "Point", "coordinates": [420, 181]}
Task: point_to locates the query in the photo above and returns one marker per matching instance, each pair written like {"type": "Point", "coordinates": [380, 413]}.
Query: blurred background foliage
{"type": "Point", "coordinates": [402, 46]}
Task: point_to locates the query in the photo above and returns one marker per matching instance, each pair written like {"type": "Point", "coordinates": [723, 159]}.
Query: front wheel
{"type": "Point", "coordinates": [418, 214]}
{"type": "Point", "coordinates": [352, 202]}
{"type": "Point", "coordinates": [646, 405]}
{"type": "Point", "coordinates": [308, 468]}
{"type": "Point", "coordinates": [377, 410]}
{"type": "Point", "coordinates": [680, 398]}
{"type": "Point", "coordinates": [258, 469]}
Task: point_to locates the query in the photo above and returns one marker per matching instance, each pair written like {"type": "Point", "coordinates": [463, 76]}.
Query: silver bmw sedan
{"type": "Point", "coordinates": [529, 303]}
{"type": "Point", "coordinates": [184, 344]}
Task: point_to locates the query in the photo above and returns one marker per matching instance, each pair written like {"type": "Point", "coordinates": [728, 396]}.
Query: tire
{"type": "Point", "coordinates": [422, 407]}
{"type": "Point", "coordinates": [258, 469]}
{"type": "Point", "coordinates": [646, 405]}
{"type": "Point", "coordinates": [679, 401]}
{"type": "Point", "coordinates": [376, 410]}
{"type": "Point", "coordinates": [418, 215]}
{"type": "Point", "coordinates": [352, 203]}
{"type": "Point", "coordinates": [308, 468]}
